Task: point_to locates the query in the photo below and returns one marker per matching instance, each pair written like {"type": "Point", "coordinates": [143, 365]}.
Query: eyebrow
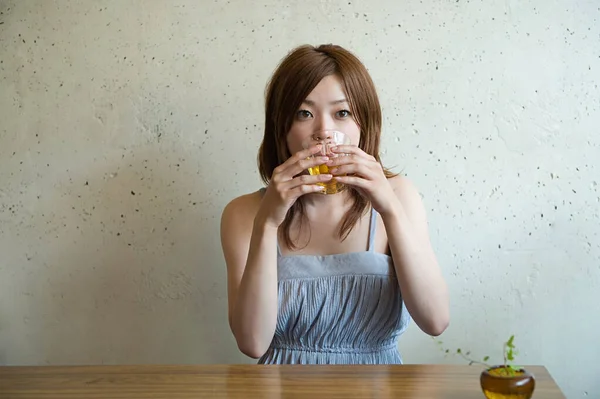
{"type": "Point", "coordinates": [312, 103]}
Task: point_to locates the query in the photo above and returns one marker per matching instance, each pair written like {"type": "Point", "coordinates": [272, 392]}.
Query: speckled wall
{"type": "Point", "coordinates": [126, 126]}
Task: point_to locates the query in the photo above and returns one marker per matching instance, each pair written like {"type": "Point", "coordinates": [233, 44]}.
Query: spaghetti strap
{"type": "Point", "coordinates": [372, 228]}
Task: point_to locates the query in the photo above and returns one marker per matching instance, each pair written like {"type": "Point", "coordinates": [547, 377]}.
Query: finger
{"type": "Point", "coordinates": [345, 159]}
{"type": "Point", "coordinates": [304, 164]}
{"type": "Point", "coordinates": [361, 166]}
{"type": "Point", "coordinates": [305, 180]}
{"type": "Point", "coordinates": [350, 169]}
{"type": "Point", "coordinates": [355, 181]}
{"type": "Point", "coordinates": [288, 172]}
{"type": "Point", "coordinates": [300, 155]}
{"type": "Point", "coordinates": [305, 189]}
{"type": "Point", "coordinates": [351, 149]}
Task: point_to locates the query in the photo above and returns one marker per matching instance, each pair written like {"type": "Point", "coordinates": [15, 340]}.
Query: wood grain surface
{"type": "Point", "coordinates": [255, 381]}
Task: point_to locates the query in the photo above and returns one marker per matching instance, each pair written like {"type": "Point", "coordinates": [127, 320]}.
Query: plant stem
{"type": "Point", "coordinates": [471, 361]}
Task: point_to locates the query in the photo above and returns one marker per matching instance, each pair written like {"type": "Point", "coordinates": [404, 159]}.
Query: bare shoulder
{"type": "Point", "coordinates": [404, 188]}
{"type": "Point", "coordinates": [243, 207]}
{"type": "Point", "coordinates": [410, 198]}
{"type": "Point", "coordinates": [236, 230]}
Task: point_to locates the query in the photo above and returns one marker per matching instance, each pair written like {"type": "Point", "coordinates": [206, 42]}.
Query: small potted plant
{"type": "Point", "coordinates": [504, 381]}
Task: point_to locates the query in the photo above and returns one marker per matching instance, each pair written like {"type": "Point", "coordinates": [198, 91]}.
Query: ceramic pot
{"type": "Point", "coordinates": [500, 383]}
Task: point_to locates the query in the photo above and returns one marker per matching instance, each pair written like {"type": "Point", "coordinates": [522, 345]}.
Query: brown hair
{"type": "Point", "coordinates": [293, 80]}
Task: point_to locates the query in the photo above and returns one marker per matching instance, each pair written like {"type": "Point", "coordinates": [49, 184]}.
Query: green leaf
{"type": "Point", "coordinates": [458, 350]}
{"type": "Point", "coordinates": [510, 355]}
{"type": "Point", "coordinates": [509, 343]}
{"type": "Point", "coordinates": [485, 359]}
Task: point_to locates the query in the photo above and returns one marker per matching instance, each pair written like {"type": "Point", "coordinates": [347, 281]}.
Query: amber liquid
{"type": "Point", "coordinates": [498, 395]}
{"type": "Point", "coordinates": [332, 186]}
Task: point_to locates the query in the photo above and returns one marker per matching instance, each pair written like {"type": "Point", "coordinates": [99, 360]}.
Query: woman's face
{"type": "Point", "coordinates": [325, 108]}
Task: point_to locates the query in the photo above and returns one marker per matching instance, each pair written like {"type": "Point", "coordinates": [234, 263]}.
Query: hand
{"type": "Point", "coordinates": [362, 171]}
{"type": "Point", "coordinates": [288, 184]}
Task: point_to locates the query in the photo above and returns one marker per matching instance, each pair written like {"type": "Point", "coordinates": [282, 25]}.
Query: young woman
{"type": "Point", "coordinates": [334, 278]}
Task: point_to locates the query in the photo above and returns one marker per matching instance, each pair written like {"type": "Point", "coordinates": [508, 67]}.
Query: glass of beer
{"type": "Point", "coordinates": [327, 139]}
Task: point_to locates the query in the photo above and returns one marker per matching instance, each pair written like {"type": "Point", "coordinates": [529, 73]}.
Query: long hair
{"type": "Point", "coordinates": [293, 80]}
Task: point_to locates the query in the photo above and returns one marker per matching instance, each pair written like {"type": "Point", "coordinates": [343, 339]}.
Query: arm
{"type": "Point", "coordinates": [423, 288]}
{"type": "Point", "coordinates": [249, 247]}
{"type": "Point", "coordinates": [249, 227]}
{"type": "Point", "coordinates": [421, 282]}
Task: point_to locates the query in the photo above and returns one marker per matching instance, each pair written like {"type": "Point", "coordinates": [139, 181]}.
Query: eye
{"type": "Point", "coordinates": [303, 114]}
{"type": "Point", "coordinates": [343, 113]}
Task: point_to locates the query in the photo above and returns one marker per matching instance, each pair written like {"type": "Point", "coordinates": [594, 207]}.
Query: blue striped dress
{"type": "Point", "coordinates": [338, 309]}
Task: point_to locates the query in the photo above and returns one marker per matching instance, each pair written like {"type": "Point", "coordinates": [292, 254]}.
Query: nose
{"type": "Point", "coordinates": [321, 135]}
{"type": "Point", "coordinates": [323, 127]}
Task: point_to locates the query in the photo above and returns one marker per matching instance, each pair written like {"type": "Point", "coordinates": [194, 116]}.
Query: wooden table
{"type": "Point", "coordinates": [254, 381]}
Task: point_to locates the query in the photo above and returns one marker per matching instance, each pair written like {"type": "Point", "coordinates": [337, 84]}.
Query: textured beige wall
{"type": "Point", "coordinates": [125, 127]}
